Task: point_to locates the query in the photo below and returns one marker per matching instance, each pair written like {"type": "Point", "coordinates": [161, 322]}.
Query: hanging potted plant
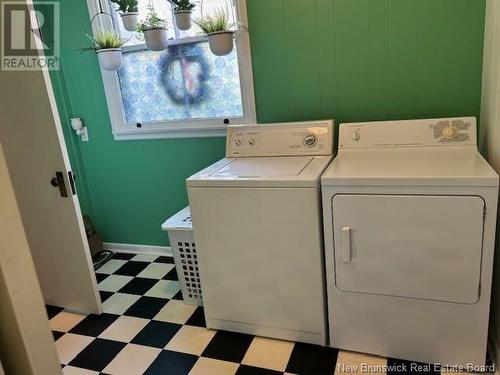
{"type": "Point", "coordinates": [182, 13]}
{"type": "Point", "coordinates": [129, 13]}
{"type": "Point", "coordinates": [108, 47]}
{"type": "Point", "coordinates": [218, 31]}
{"type": "Point", "coordinates": [155, 31]}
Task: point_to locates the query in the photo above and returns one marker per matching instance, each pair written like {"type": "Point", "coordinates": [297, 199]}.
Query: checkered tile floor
{"type": "Point", "coordinates": [147, 329]}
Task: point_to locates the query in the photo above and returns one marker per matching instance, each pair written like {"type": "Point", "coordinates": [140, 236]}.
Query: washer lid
{"type": "Point", "coordinates": [421, 166]}
{"type": "Point", "coordinates": [285, 171]}
{"type": "Point", "coordinates": [263, 167]}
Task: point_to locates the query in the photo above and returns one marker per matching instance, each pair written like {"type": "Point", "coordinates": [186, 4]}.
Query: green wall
{"type": "Point", "coordinates": [343, 59]}
{"type": "Point", "coordinates": [366, 59]}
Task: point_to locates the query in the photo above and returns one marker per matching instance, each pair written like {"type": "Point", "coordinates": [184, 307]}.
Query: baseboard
{"type": "Point", "coordinates": [137, 249]}
{"type": "Point", "coordinates": [494, 351]}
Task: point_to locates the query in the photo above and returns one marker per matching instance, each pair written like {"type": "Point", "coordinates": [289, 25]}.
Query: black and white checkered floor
{"type": "Point", "coordinates": [147, 329]}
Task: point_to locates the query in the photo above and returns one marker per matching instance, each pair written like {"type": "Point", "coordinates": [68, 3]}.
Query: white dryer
{"type": "Point", "coordinates": [409, 220]}
{"type": "Point", "coordinates": [258, 231]}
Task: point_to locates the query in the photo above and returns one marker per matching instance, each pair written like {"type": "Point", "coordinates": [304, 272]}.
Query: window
{"type": "Point", "coordinates": [185, 90]}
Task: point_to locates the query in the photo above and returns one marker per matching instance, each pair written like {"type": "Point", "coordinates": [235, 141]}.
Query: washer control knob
{"type": "Point", "coordinates": [450, 132]}
{"type": "Point", "coordinates": [251, 142]}
{"type": "Point", "coordinates": [310, 140]}
{"type": "Point", "coordinates": [237, 142]}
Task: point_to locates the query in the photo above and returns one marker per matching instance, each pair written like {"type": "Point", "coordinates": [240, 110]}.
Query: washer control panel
{"type": "Point", "coordinates": [408, 133]}
{"type": "Point", "coordinates": [281, 139]}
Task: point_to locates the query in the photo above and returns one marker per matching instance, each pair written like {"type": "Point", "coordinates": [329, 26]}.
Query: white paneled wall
{"type": "Point", "coordinates": [490, 135]}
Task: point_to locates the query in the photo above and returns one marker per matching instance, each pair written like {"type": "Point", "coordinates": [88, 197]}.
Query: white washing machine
{"type": "Point", "coordinates": [409, 215]}
{"type": "Point", "coordinates": [258, 228]}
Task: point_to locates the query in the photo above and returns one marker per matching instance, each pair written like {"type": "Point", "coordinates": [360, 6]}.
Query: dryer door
{"type": "Point", "coordinates": [426, 247]}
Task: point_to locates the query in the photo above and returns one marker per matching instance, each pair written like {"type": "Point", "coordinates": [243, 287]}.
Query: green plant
{"type": "Point", "coordinates": [104, 39]}
{"type": "Point", "coordinates": [182, 4]}
{"type": "Point", "coordinates": [126, 6]}
{"type": "Point", "coordinates": [218, 22]}
{"type": "Point", "coordinates": [152, 21]}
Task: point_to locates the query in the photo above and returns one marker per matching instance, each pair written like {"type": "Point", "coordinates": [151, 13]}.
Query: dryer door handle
{"type": "Point", "coordinates": [346, 244]}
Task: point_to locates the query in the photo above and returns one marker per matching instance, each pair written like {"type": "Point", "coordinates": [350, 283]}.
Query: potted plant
{"type": "Point", "coordinates": [108, 47]}
{"type": "Point", "coordinates": [129, 13]}
{"type": "Point", "coordinates": [182, 13]}
{"type": "Point", "coordinates": [218, 31]}
{"type": "Point", "coordinates": [155, 31]}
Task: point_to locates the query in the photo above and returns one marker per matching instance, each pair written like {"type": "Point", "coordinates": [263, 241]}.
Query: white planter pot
{"type": "Point", "coordinates": [183, 19]}
{"type": "Point", "coordinates": [156, 39]}
{"type": "Point", "coordinates": [110, 59]}
{"type": "Point", "coordinates": [220, 42]}
{"type": "Point", "coordinates": [130, 20]}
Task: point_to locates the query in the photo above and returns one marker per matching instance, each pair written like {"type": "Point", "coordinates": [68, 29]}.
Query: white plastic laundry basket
{"type": "Point", "coordinates": [180, 233]}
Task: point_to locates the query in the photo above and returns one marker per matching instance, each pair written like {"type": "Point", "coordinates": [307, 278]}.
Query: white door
{"type": "Point", "coordinates": [31, 136]}
{"type": "Point", "coordinates": [425, 247]}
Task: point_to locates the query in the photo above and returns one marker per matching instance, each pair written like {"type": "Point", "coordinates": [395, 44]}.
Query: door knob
{"type": "Point", "coordinates": [58, 181]}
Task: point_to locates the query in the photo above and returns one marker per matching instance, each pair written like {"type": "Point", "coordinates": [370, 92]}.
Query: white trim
{"type": "Point", "coordinates": [138, 249]}
{"type": "Point", "coordinates": [242, 42]}
{"type": "Point", "coordinates": [178, 133]}
{"type": "Point", "coordinates": [184, 128]}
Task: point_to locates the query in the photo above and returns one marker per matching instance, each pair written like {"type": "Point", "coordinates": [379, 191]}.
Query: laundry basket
{"type": "Point", "coordinates": [180, 233]}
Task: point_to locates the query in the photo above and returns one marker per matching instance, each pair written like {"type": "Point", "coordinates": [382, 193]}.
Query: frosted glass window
{"type": "Point", "coordinates": [185, 81]}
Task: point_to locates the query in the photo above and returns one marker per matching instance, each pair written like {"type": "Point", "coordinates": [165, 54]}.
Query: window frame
{"type": "Point", "coordinates": [190, 128]}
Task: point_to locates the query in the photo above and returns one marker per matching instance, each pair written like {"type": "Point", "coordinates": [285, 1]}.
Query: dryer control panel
{"type": "Point", "coordinates": [282, 139]}
{"type": "Point", "coordinates": [408, 133]}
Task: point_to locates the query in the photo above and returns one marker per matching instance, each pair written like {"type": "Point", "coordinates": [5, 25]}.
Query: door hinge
{"type": "Point", "coordinates": [72, 178]}
{"type": "Point", "coordinates": [484, 213]}
{"type": "Point", "coordinates": [479, 291]}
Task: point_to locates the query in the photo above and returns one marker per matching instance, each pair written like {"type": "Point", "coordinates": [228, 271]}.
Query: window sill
{"type": "Point", "coordinates": [169, 134]}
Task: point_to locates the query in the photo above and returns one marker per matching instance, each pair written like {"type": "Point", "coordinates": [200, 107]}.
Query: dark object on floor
{"type": "Point", "coordinates": [101, 257]}
{"type": "Point", "coordinates": [94, 238]}
{"type": "Point", "coordinates": [95, 243]}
